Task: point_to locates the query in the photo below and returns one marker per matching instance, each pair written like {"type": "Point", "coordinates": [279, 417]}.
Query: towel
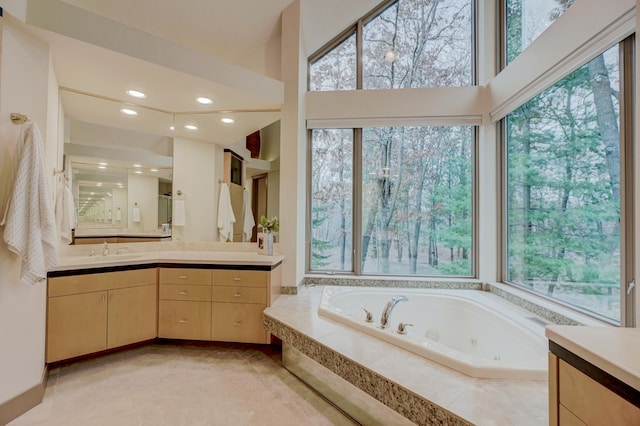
{"type": "Point", "coordinates": [136, 215]}
{"type": "Point", "coordinates": [109, 215]}
{"type": "Point", "coordinates": [118, 215]}
{"type": "Point", "coordinates": [30, 223]}
{"type": "Point", "coordinates": [226, 218]}
{"type": "Point", "coordinates": [248, 222]}
{"type": "Point", "coordinates": [65, 212]}
{"type": "Point", "coordinates": [179, 213]}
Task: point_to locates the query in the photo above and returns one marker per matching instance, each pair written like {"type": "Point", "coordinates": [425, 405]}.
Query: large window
{"type": "Point", "coordinates": [405, 44]}
{"type": "Point", "coordinates": [414, 200]}
{"type": "Point", "coordinates": [563, 189]}
{"type": "Point", "coordinates": [525, 20]}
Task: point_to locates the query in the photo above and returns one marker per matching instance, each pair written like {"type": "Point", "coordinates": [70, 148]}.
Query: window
{"type": "Point", "coordinates": [563, 192]}
{"type": "Point", "coordinates": [405, 44]}
{"type": "Point", "coordinates": [336, 70]}
{"type": "Point", "coordinates": [331, 199]}
{"type": "Point", "coordinates": [526, 19]}
{"type": "Point", "coordinates": [414, 200]}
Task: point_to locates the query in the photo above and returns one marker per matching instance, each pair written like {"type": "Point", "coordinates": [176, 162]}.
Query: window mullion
{"type": "Point", "coordinates": [357, 202]}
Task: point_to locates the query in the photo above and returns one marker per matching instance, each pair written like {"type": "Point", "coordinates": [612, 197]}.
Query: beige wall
{"type": "Point", "coordinates": [144, 191]}
{"type": "Point", "coordinates": [27, 85]}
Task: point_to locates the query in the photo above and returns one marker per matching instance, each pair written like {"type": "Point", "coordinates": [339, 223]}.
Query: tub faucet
{"type": "Point", "coordinates": [384, 320]}
{"type": "Point", "coordinates": [105, 249]}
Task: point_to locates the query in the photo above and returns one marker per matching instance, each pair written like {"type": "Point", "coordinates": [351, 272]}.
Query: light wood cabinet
{"type": "Point", "coordinates": [238, 322]}
{"type": "Point", "coordinates": [577, 399]}
{"type": "Point", "coordinates": [185, 303]}
{"type": "Point", "coordinates": [92, 312]}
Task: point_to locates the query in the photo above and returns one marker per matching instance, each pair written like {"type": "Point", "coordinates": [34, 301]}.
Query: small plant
{"type": "Point", "coordinates": [270, 225]}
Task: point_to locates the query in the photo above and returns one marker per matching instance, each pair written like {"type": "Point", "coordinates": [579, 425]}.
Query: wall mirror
{"type": "Point", "coordinates": [118, 159]}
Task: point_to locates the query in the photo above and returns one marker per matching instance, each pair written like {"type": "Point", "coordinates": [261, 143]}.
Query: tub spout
{"type": "Point", "coordinates": [384, 320]}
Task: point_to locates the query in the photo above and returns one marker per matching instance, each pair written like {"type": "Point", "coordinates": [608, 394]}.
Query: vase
{"type": "Point", "coordinates": [265, 243]}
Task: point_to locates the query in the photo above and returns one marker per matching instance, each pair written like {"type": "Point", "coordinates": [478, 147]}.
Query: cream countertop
{"type": "Point", "coordinates": [78, 257]}
{"type": "Point", "coordinates": [616, 350]}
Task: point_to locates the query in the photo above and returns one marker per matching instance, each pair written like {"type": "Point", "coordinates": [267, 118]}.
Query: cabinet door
{"type": "Point", "coordinates": [184, 320]}
{"type": "Point", "coordinates": [132, 315]}
{"type": "Point", "coordinates": [238, 322]}
{"type": "Point", "coordinates": [76, 325]}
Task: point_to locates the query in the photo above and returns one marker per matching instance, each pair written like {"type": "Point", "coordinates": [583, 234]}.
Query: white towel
{"type": "Point", "coordinates": [30, 224]}
{"type": "Point", "coordinates": [248, 222]}
{"type": "Point", "coordinates": [226, 218]}
{"type": "Point", "coordinates": [65, 212]}
{"type": "Point", "coordinates": [118, 215]}
{"type": "Point", "coordinates": [179, 213]}
{"type": "Point", "coordinates": [136, 215]}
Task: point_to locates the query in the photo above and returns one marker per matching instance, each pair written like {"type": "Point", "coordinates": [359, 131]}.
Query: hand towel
{"type": "Point", "coordinates": [248, 222]}
{"type": "Point", "coordinates": [65, 212]}
{"type": "Point", "coordinates": [118, 215]}
{"type": "Point", "coordinates": [226, 218]}
{"type": "Point", "coordinates": [179, 213]}
{"type": "Point", "coordinates": [30, 224]}
{"type": "Point", "coordinates": [136, 215]}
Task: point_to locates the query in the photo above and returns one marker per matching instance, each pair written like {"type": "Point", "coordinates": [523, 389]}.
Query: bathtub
{"type": "Point", "coordinates": [471, 331]}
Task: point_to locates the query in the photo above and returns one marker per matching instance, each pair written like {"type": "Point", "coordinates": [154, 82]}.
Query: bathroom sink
{"type": "Point", "coordinates": [99, 259]}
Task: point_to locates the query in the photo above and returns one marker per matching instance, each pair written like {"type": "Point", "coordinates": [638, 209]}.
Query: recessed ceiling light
{"type": "Point", "coordinates": [119, 184]}
{"type": "Point", "coordinates": [204, 101]}
{"type": "Point", "coordinates": [154, 170]}
{"type": "Point", "coordinates": [92, 193]}
{"type": "Point", "coordinates": [191, 127]}
{"type": "Point", "coordinates": [99, 184]}
{"type": "Point", "coordinates": [227, 120]}
{"type": "Point", "coordinates": [172, 128]}
{"type": "Point", "coordinates": [102, 167]}
{"type": "Point", "coordinates": [136, 94]}
{"type": "Point", "coordinates": [137, 165]}
{"type": "Point", "coordinates": [138, 172]}
{"type": "Point", "coordinates": [102, 163]}
{"type": "Point", "coordinates": [128, 111]}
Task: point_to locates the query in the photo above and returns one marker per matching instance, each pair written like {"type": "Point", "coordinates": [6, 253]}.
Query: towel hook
{"type": "Point", "coordinates": [18, 118]}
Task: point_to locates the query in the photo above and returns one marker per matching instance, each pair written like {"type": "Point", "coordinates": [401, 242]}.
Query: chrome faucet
{"type": "Point", "coordinates": [105, 249]}
{"type": "Point", "coordinates": [384, 320]}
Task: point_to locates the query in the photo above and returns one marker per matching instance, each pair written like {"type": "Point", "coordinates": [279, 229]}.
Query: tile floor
{"type": "Point", "coordinates": [175, 383]}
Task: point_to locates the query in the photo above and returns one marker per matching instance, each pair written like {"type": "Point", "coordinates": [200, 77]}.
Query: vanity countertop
{"type": "Point", "coordinates": [614, 350]}
{"type": "Point", "coordinates": [198, 257]}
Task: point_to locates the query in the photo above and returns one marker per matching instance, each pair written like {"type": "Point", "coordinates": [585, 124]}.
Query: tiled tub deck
{"type": "Point", "coordinates": [422, 391]}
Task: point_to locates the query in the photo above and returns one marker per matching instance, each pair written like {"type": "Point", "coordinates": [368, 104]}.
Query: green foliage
{"type": "Point", "coordinates": [269, 225]}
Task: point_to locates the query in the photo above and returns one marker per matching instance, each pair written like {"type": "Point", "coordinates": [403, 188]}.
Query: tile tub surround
{"type": "Point", "coordinates": [423, 391]}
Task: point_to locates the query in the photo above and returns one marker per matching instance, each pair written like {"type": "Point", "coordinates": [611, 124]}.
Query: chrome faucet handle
{"type": "Point", "coordinates": [368, 315]}
{"type": "Point", "coordinates": [92, 252]}
{"type": "Point", "coordinates": [402, 327]}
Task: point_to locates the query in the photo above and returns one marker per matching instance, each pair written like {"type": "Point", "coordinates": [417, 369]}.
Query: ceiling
{"type": "Point", "coordinates": [227, 51]}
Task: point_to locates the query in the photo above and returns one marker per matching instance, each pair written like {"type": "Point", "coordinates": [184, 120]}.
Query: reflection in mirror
{"type": "Point", "coordinates": [119, 165]}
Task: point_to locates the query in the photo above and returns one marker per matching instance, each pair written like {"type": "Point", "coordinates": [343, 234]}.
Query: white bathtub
{"type": "Point", "coordinates": [471, 331]}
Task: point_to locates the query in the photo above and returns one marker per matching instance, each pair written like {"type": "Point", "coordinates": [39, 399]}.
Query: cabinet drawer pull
{"type": "Point", "coordinates": [183, 321]}
{"type": "Point", "coordinates": [236, 279]}
{"type": "Point", "coordinates": [237, 324]}
{"type": "Point", "coordinates": [183, 293]}
{"type": "Point", "coordinates": [183, 277]}
{"type": "Point", "coordinates": [237, 295]}
{"type": "Point", "coordinates": [104, 298]}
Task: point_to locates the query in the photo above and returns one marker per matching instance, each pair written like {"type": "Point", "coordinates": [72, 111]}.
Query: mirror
{"type": "Point", "coordinates": [119, 165]}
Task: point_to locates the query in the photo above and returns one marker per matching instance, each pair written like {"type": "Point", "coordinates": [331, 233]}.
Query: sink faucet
{"type": "Point", "coordinates": [105, 249]}
{"type": "Point", "coordinates": [384, 320]}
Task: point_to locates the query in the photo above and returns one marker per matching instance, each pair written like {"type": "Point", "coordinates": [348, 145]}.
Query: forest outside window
{"type": "Point", "coordinates": [404, 44]}
{"type": "Point", "coordinates": [563, 191]}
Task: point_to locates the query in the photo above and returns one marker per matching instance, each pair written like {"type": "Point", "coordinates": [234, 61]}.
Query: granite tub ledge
{"type": "Point", "coordinates": [423, 391]}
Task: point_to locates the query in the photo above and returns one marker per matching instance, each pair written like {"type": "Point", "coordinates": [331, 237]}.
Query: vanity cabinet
{"type": "Point", "coordinates": [575, 398]}
{"type": "Point", "coordinates": [92, 312]}
{"type": "Point", "coordinates": [185, 303]}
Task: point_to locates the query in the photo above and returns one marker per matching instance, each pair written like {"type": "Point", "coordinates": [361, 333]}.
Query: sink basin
{"type": "Point", "coordinates": [99, 259]}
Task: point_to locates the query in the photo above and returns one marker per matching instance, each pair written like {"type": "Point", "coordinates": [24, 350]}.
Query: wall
{"type": "Point", "coordinates": [197, 166]}
{"type": "Point", "coordinates": [143, 190]}
{"type": "Point", "coordinates": [27, 85]}
{"type": "Point", "coordinates": [120, 201]}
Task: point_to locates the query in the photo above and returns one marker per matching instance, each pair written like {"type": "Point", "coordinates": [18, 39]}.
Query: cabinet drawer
{"type": "Point", "coordinates": [185, 276]}
{"type": "Point", "coordinates": [238, 322]}
{"type": "Point", "coordinates": [577, 392]}
{"type": "Point", "coordinates": [184, 320]}
{"type": "Point", "coordinates": [185, 292]}
{"type": "Point", "coordinates": [232, 277]}
{"type": "Point", "coordinates": [88, 283]}
{"type": "Point", "coordinates": [239, 294]}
